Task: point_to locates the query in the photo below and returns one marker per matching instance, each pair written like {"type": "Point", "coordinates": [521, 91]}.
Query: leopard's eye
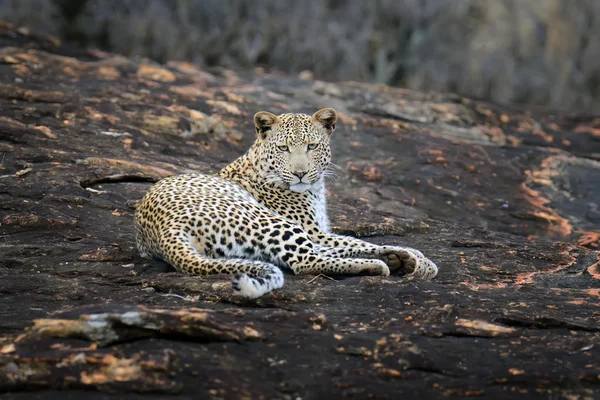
{"type": "Point", "coordinates": [283, 148]}
{"type": "Point", "coordinates": [313, 146]}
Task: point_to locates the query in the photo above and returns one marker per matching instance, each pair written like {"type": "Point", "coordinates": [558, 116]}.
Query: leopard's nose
{"type": "Point", "coordinates": [299, 174]}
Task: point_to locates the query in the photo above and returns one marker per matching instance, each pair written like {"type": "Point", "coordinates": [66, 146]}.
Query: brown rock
{"type": "Point", "coordinates": [503, 199]}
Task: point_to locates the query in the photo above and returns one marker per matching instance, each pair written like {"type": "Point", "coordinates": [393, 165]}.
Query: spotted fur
{"type": "Point", "coordinates": [264, 211]}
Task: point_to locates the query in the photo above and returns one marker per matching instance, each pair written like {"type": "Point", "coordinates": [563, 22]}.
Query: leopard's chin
{"type": "Point", "coordinates": [300, 187]}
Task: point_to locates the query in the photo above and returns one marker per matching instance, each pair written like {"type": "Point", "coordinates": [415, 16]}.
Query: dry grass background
{"type": "Point", "coordinates": [543, 52]}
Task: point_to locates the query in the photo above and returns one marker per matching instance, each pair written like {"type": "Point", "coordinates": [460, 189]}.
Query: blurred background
{"type": "Point", "coordinates": [538, 52]}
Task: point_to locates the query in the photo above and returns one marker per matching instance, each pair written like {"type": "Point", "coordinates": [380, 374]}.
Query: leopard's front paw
{"type": "Point", "coordinates": [409, 261]}
{"type": "Point", "coordinates": [399, 259]}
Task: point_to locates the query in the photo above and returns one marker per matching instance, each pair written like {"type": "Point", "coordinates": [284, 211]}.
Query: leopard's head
{"type": "Point", "coordinates": [293, 150]}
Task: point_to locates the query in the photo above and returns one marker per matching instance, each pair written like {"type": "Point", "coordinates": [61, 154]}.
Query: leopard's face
{"type": "Point", "coordinates": [294, 149]}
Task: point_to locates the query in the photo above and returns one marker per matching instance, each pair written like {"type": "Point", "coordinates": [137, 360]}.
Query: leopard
{"type": "Point", "coordinates": [263, 214]}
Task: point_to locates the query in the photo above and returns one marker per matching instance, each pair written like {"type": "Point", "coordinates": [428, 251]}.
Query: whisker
{"type": "Point", "coordinates": [332, 171]}
{"type": "Point", "coordinates": [335, 166]}
{"type": "Point", "coordinates": [329, 174]}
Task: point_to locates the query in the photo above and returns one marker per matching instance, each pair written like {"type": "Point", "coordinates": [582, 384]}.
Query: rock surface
{"type": "Point", "coordinates": [503, 199]}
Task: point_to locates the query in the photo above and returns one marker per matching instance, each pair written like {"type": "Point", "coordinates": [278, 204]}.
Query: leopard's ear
{"type": "Point", "coordinates": [263, 121]}
{"type": "Point", "coordinates": [326, 117]}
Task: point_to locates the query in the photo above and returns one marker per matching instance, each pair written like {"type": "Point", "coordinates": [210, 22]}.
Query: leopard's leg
{"type": "Point", "coordinates": [313, 263]}
{"type": "Point", "coordinates": [297, 252]}
{"type": "Point", "coordinates": [317, 264]}
{"type": "Point", "coordinates": [412, 260]}
{"type": "Point", "coordinates": [251, 279]}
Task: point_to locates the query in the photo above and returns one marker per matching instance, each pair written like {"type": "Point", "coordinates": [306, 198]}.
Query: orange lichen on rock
{"type": "Point", "coordinates": [346, 119]}
{"type": "Point", "coordinates": [495, 134]}
{"type": "Point", "coordinates": [393, 124]}
{"type": "Point", "coordinates": [115, 166]}
{"type": "Point", "coordinates": [108, 73]}
{"type": "Point", "coordinates": [369, 173]}
{"type": "Point", "coordinates": [526, 279]}
{"type": "Point", "coordinates": [114, 370]}
{"type": "Point", "coordinates": [46, 131]}
{"type": "Point", "coordinates": [101, 254]}
{"type": "Point", "coordinates": [433, 152]}
{"type": "Point", "coordinates": [557, 225]}
{"type": "Point", "coordinates": [488, 328]}
{"type": "Point", "coordinates": [483, 286]}
{"type": "Point", "coordinates": [225, 106]}
{"type": "Point", "coordinates": [594, 270]}
{"type": "Point", "coordinates": [589, 239]}
{"type": "Point", "coordinates": [588, 129]}
{"type": "Point", "coordinates": [154, 73]}
{"type": "Point", "coordinates": [593, 292]}
{"type": "Point", "coordinates": [545, 137]}
{"type": "Point", "coordinates": [192, 91]}
{"type": "Point", "coordinates": [570, 259]}
{"type": "Point", "coordinates": [32, 220]}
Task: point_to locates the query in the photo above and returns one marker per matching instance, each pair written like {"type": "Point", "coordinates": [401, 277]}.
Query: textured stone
{"type": "Point", "coordinates": [502, 199]}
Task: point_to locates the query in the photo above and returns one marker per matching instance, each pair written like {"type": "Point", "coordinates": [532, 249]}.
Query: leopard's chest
{"type": "Point", "coordinates": [321, 217]}
{"type": "Point", "coordinates": [308, 209]}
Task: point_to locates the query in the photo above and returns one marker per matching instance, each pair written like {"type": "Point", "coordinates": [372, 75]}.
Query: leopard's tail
{"type": "Point", "coordinates": [252, 286]}
{"type": "Point", "coordinates": [251, 279]}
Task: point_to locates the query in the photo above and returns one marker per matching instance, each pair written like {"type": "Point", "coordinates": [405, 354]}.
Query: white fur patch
{"type": "Point", "coordinates": [249, 288]}
{"type": "Point", "coordinates": [252, 288]}
{"type": "Point", "coordinates": [321, 214]}
{"type": "Point", "coordinates": [300, 187]}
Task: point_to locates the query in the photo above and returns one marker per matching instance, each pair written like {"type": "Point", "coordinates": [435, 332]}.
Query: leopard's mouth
{"type": "Point", "coordinates": [300, 184]}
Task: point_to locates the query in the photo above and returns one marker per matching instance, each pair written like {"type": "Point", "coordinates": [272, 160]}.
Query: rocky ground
{"type": "Point", "coordinates": [504, 199]}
